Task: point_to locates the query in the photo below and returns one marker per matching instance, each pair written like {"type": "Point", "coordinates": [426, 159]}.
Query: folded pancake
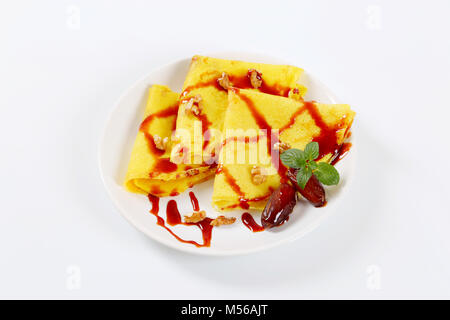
{"type": "Point", "coordinates": [150, 169]}
{"type": "Point", "coordinates": [204, 98]}
{"type": "Point", "coordinates": [282, 120]}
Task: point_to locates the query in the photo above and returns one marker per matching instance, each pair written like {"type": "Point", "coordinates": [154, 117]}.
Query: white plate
{"type": "Point", "coordinates": [115, 149]}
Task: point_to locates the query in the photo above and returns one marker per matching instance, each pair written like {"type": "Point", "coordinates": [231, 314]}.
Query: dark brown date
{"type": "Point", "coordinates": [313, 192]}
{"type": "Point", "coordinates": [279, 207]}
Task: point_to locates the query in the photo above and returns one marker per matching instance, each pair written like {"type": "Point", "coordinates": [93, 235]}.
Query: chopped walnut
{"type": "Point", "coordinates": [193, 105]}
{"type": "Point", "coordinates": [222, 220]}
{"type": "Point", "coordinates": [295, 94]}
{"type": "Point", "coordinates": [281, 146]}
{"type": "Point", "coordinates": [160, 143]}
{"type": "Point", "coordinates": [224, 81]}
{"type": "Point", "coordinates": [195, 217]}
{"type": "Point", "coordinates": [192, 172]}
{"type": "Point", "coordinates": [255, 78]}
{"type": "Point", "coordinates": [258, 175]}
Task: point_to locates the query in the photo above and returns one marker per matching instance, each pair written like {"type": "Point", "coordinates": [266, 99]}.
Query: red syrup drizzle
{"type": "Point", "coordinates": [242, 139]}
{"type": "Point", "coordinates": [327, 139]}
{"type": "Point", "coordinates": [161, 165]}
{"type": "Point", "coordinates": [271, 138]}
{"type": "Point", "coordinates": [345, 148]}
{"type": "Point", "coordinates": [292, 119]}
{"type": "Point", "coordinates": [173, 217]}
{"type": "Point", "coordinates": [194, 201]}
{"type": "Point", "coordinates": [170, 111]}
{"type": "Point", "coordinates": [243, 202]}
{"type": "Point", "coordinates": [242, 82]}
{"type": "Point", "coordinates": [203, 119]}
{"type": "Point", "coordinates": [249, 222]}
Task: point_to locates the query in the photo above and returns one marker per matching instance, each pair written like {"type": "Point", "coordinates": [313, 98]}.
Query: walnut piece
{"type": "Point", "coordinates": [193, 105]}
{"type": "Point", "coordinates": [160, 143]}
{"type": "Point", "coordinates": [255, 78]}
{"type": "Point", "coordinates": [258, 175]}
{"type": "Point", "coordinates": [224, 81]}
{"type": "Point", "coordinates": [222, 220]}
{"type": "Point", "coordinates": [281, 146]}
{"type": "Point", "coordinates": [295, 94]}
{"type": "Point", "coordinates": [195, 217]}
{"type": "Point", "coordinates": [192, 172]}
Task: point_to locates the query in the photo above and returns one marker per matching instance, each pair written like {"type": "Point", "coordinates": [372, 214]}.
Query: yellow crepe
{"type": "Point", "coordinates": [149, 169]}
{"type": "Point", "coordinates": [202, 81]}
{"type": "Point", "coordinates": [298, 122]}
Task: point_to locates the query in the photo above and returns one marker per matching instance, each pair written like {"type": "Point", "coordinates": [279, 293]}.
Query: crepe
{"type": "Point", "coordinates": [203, 84]}
{"type": "Point", "coordinates": [150, 169]}
{"type": "Point", "coordinates": [298, 123]}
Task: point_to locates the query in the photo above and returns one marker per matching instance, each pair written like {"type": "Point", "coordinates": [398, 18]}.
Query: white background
{"type": "Point", "coordinates": [61, 237]}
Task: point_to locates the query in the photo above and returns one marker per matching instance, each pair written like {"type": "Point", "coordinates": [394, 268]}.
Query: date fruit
{"type": "Point", "coordinates": [279, 207]}
{"type": "Point", "coordinates": [313, 192]}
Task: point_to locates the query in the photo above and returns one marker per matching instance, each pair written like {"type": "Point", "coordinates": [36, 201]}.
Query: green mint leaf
{"type": "Point", "coordinates": [313, 165]}
{"type": "Point", "coordinates": [312, 151]}
{"type": "Point", "coordinates": [327, 174]}
{"type": "Point", "coordinates": [293, 158]}
{"type": "Point", "coordinates": [303, 176]}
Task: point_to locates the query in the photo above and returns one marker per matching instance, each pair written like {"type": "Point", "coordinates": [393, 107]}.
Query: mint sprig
{"type": "Point", "coordinates": [304, 161]}
{"type": "Point", "coordinates": [303, 176]}
{"type": "Point", "coordinates": [294, 158]}
{"type": "Point", "coordinates": [312, 150]}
